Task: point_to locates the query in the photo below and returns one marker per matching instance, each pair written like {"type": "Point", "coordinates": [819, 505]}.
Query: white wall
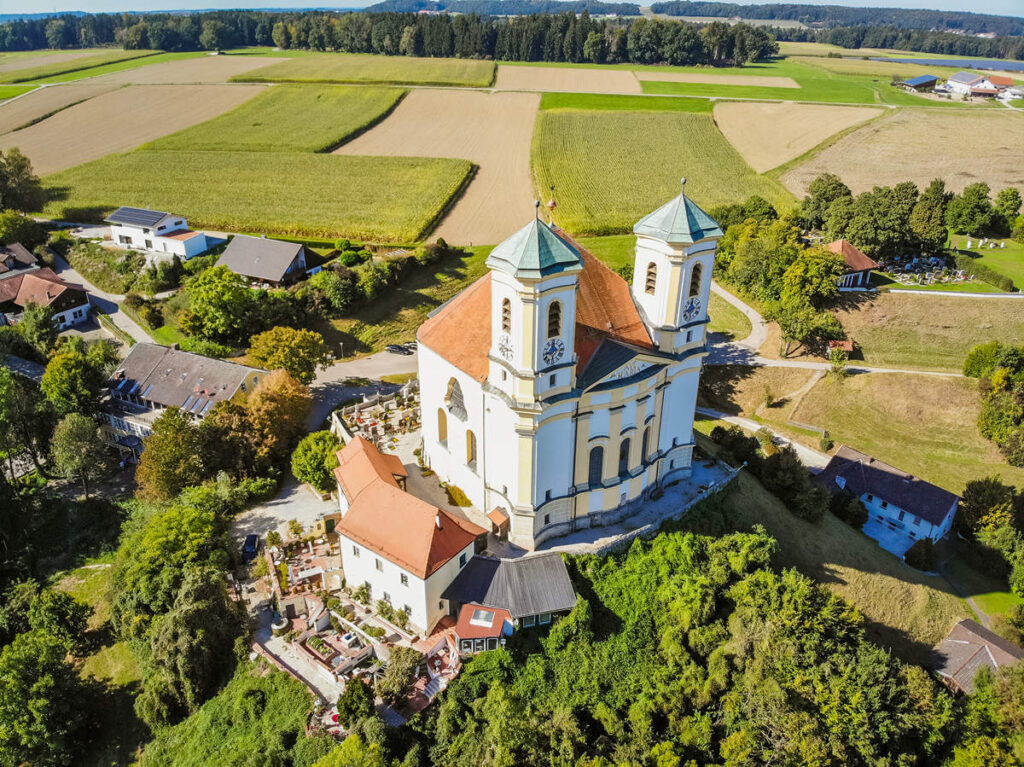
{"type": "Point", "coordinates": [73, 316]}
{"type": "Point", "coordinates": [892, 512]}
{"type": "Point", "coordinates": [554, 459]}
{"type": "Point", "coordinates": [151, 240]}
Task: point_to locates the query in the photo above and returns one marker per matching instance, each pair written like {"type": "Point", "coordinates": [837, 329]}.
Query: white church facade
{"type": "Point", "coordinates": [557, 392]}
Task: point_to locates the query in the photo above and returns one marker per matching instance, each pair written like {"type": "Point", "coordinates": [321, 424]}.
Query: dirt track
{"type": "Point", "coordinates": [566, 79]}
{"type": "Point", "coordinates": [205, 69]}
{"type": "Point", "coordinates": [14, 114]}
{"type": "Point", "coordinates": [770, 134]}
{"type": "Point", "coordinates": [919, 145]}
{"type": "Point", "coordinates": [492, 130]}
{"type": "Point", "coordinates": [121, 120]}
{"type": "Point", "coordinates": [687, 77]}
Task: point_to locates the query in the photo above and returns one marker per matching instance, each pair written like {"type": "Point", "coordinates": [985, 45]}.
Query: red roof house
{"type": "Point", "coordinates": [858, 265]}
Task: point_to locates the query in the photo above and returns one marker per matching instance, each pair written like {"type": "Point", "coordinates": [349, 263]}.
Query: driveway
{"type": "Point", "coordinates": [105, 302]}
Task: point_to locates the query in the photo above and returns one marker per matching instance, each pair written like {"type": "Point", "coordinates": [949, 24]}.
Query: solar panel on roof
{"type": "Point", "coordinates": [188, 402]}
{"type": "Point", "coordinates": [148, 390]}
{"type": "Point", "coordinates": [136, 387]}
{"type": "Point", "coordinates": [136, 216]}
{"type": "Point", "coordinates": [195, 407]}
{"type": "Point", "coordinates": [206, 409]}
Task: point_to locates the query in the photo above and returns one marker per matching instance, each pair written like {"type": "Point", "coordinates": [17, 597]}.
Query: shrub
{"type": "Point", "coordinates": [736, 447]}
{"type": "Point", "coordinates": [456, 497]}
{"type": "Point", "coordinates": [921, 556]}
{"type": "Point", "coordinates": [850, 509]}
{"type": "Point", "coordinates": [982, 359]}
{"type": "Point", "coordinates": [826, 443]}
{"type": "Point", "coordinates": [362, 594]}
{"type": "Point", "coordinates": [206, 348]}
{"type": "Point", "coordinates": [374, 631]}
{"type": "Point", "coordinates": [968, 263]}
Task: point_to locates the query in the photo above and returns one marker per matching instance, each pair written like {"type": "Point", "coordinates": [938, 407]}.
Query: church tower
{"type": "Point", "coordinates": [534, 275]}
{"type": "Point", "coordinates": [675, 252]}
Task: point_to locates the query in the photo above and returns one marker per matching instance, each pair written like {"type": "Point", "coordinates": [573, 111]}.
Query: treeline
{"type": "Point", "coordinates": [841, 16]}
{"type": "Point", "coordinates": [507, 7]}
{"type": "Point", "coordinates": [538, 37]}
{"type": "Point", "coordinates": [905, 39]}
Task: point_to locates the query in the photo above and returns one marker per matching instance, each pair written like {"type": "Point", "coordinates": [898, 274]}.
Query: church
{"type": "Point", "coordinates": [555, 394]}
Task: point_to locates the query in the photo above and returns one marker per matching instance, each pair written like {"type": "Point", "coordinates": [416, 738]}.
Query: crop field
{"type": "Point", "coordinates": [610, 168]}
{"type": "Point", "coordinates": [120, 120]}
{"type": "Point", "coordinates": [619, 103]}
{"type": "Point", "coordinates": [493, 130]}
{"type": "Point", "coordinates": [289, 118]}
{"type": "Point", "coordinates": [10, 91]}
{"type": "Point", "coordinates": [772, 134]}
{"type": "Point", "coordinates": [10, 62]}
{"type": "Point", "coordinates": [766, 81]}
{"type": "Point", "coordinates": [369, 68]}
{"type": "Point", "coordinates": [391, 199]}
{"type": "Point", "coordinates": [884, 69]}
{"type": "Point", "coordinates": [44, 102]}
{"type": "Point", "coordinates": [975, 146]}
{"type": "Point", "coordinates": [571, 79]}
{"type": "Point", "coordinates": [57, 64]}
{"type": "Point", "coordinates": [185, 69]}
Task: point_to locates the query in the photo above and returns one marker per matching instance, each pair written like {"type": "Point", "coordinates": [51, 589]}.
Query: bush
{"type": "Point", "coordinates": [968, 263]}
{"type": "Point", "coordinates": [921, 556]}
{"type": "Point", "coordinates": [206, 348]}
{"type": "Point", "coordinates": [736, 447]}
{"type": "Point", "coordinates": [456, 497]}
{"type": "Point", "coordinates": [850, 509]}
{"type": "Point", "coordinates": [783, 475]}
{"type": "Point", "coordinates": [826, 443]}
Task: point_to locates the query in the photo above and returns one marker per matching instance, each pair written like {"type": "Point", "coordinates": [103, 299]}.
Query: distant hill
{"type": "Point", "coordinates": [841, 16]}
{"type": "Point", "coordinates": [507, 7]}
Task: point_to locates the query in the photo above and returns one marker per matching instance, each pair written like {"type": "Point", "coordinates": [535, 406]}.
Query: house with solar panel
{"type": "Point", "coordinates": [156, 232]}
{"type": "Point", "coordinates": [153, 378]}
{"type": "Point", "coordinates": [920, 84]}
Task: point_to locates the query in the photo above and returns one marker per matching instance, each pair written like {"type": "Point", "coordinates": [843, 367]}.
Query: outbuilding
{"type": "Point", "coordinates": [271, 262]}
{"type": "Point", "coordinates": [858, 266]}
{"type": "Point", "coordinates": [921, 83]}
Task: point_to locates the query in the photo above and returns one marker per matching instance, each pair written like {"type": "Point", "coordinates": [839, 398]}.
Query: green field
{"type": "Point", "coordinates": [289, 118]}
{"type": "Point", "coordinates": [1007, 257]}
{"type": "Point", "coordinates": [1017, 103]}
{"type": "Point", "coordinates": [388, 199]}
{"type": "Point", "coordinates": [10, 91]}
{"type": "Point", "coordinates": [613, 103]}
{"type": "Point", "coordinates": [370, 68]}
{"type": "Point", "coordinates": [610, 168]}
{"type": "Point", "coordinates": [119, 66]}
{"type": "Point", "coordinates": [44, 72]}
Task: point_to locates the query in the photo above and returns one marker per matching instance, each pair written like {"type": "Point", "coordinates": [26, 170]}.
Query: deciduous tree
{"type": "Point", "coordinates": [59, 614]}
{"type": "Point", "coordinates": [20, 188]}
{"type": "Point", "coordinates": [78, 450]}
{"type": "Point", "coordinates": [219, 305]}
{"type": "Point", "coordinates": [315, 459]}
{"type": "Point", "coordinates": [300, 352]}
{"type": "Point", "coordinates": [172, 457]}
{"type": "Point", "coordinates": [38, 327]}
{"type": "Point", "coordinates": [971, 211]}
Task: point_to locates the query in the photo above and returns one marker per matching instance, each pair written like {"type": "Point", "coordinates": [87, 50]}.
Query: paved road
{"type": "Point", "coordinates": [758, 327]}
{"type": "Point", "coordinates": [105, 302]}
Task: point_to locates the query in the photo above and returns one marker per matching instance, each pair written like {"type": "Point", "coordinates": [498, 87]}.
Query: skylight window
{"type": "Point", "coordinates": [482, 618]}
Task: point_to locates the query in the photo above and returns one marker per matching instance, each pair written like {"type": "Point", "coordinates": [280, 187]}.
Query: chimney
{"type": "Point", "coordinates": [437, 519]}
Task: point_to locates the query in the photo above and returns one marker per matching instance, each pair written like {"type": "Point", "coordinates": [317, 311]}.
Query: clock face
{"type": "Point", "coordinates": [505, 346]}
{"type": "Point", "coordinates": [692, 310]}
{"type": "Point", "coordinates": [553, 351]}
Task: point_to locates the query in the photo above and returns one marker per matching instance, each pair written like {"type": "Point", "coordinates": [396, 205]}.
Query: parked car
{"type": "Point", "coordinates": [250, 548]}
{"type": "Point", "coordinates": [397, 349]}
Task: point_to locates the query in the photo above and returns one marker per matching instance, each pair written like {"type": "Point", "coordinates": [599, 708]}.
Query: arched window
{"type": "Point", "coordinates": [555, 319]}
{"type": "Point", "coordinates": [695, 277]}
{"type": "Point", "coordinates": [456, 405]}
{"type": "Point", "coordinates": [506, 316]}
{"type": "Point", "coordinates": [596, 473]}
{"type": "Point", "coordinates": [471, 450]}
{"type": "Point", "coordinates": [652, 278]}
{"type": "Point", "coordinates": [442, 427]}
{"type": "Point", "coordinates": [624, 457]}
{"type": "Point", "coordinates": [645, 445]}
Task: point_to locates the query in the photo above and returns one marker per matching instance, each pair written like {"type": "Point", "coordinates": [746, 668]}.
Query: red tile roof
{"type": "Point", "coordinates": [461, 330]}
{"type": "Point", "coordinates": [182, 235]}
{"type": "Point", "coordinates": [498, 516]}
{"type": "Point", "coordinates": [466, 629]}
{"type": "Point", "coordinates": [415, 535]}
{"type": "Point", "coordinates": [855, 260]}
{"type": "Point", "coordinates": [41, 286]}
{"type": "Point", "coordinates": [1000, 80]}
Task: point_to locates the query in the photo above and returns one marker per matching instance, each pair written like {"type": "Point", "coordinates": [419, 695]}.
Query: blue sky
{"type": "Point", "coordinates": [1007, 7]}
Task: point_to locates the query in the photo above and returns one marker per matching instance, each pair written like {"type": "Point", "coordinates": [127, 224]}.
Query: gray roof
{"type": "Point", "coordinates": [136, 217]}
{"type": "Point", "coordinates": [679, 220]}
{"type": "Point", "coordinates": [15, 257]}
{"type": "Point", "coordinates": [526, 586]}
{"type": "Point", "coordinates": [967, 78]}
{"type": "Point", "coordinates": [24, 367]}
{"type": "Point", "coordinates": [535, 251]}
{"type": "Point", "coordinates": [864, 474]}
{"type": "Point", "coordinates": [967, 649]}
{"type": "Point", "coordinates": [259, 257]}
{"type": "Point", "coordinates": [173, 378]}
{"type": "Point", "coordinates": [609, 356]}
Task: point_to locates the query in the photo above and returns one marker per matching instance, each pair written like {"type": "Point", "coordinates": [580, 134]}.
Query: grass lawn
{"type": "Point", "coordinates": [10, 91]}
{"type": "Point", "coordinates": [1007, 257]}
{"type": "Point", "coordinates": [903, 609]}
{"type": "Point", "coordinates": [623, 103]}
{"type": "Point", "coordinates": [91, 584]}
{"type": "Point", "coordinates": [166, 335]}
{"type": "Point", "coordinates": [388, 199]}
{"type": "Point", "coordinates": [81, 66]}
{"type": "Point", "coordinates": [289, 118]}
{"type": "Point", "coordinates": [1018, 103]}
{"type": "Point", "coordinates": [610, 168]}
{"type": "Point", "coordinates": [370, 68]}
{"type": "Point", "coordinates": [726, 319]}
{"type": "Point", "coordinates": [990, 593]}
{"type": "Point", "coordinates": [897, 329]}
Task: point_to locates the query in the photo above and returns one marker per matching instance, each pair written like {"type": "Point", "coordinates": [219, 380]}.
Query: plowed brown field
{"type": "Point", "coordinates": [514, 78]}
{"type": "Point", "coordinates": [43, 101]}
{"type": "Point", "coordinates": [767, 81]}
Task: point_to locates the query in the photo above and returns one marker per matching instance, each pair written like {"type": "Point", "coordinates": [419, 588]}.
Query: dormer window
{"type": "Point", "coordinates": [555, 319]}
{"type": "Point", "coordinates": [652, 278]}
{"type": "Point", "coordinates": [506, 316]}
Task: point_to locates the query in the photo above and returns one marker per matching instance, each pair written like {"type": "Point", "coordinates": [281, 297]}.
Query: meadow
{"type": "Point", "coordinates": [289, 118]}
{"type": "Point", "coordinates": [369, 68]}
{"type": "Point", "coordinates": [1007, 257]}
{"type": "Point", "coordinates": [10, 91]}
{"type": "Point", "coordinates": [623, 103]}
{"type": "Point", "coordinates": [609, 168]}
{"type": "Point", "coordinates": [62, 65]}
{"type": "Point", "coordinates": [389, 199]}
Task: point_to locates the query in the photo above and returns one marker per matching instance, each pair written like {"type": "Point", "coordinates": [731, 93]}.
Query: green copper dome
{"type": "Point", "coordinates": [535, 251]}
{"type": "Point", "coordinates": [678, 221]}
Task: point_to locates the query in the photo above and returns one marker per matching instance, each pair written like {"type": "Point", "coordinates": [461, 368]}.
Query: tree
{"type": "Point", "coordinates": [16, 227]}
{"type": "Point", "coordinates": [300, 352]}
{"type": "Point", "coordinates": [801, 323]}
{"type": "Point", "coordinates": [281, 36]}
{"type": "Point", "coordinates": [172, 457]}
{"type": "Point", "coordinates": [850, 509]}
{"type": "Point", "coordinates": [928, 218]}
{"type": "Point", "coordinates": [78, 450]}
{"type": "Point", "coordinates": [822, 192]}
{"type": "Point", "coordinates": [276, 415]}
{"type": "Point", "coordinates": [401, 666]}
{"type": "Point", "coordinates": [41, 700]}
{"type": "Point", "coordinates": [60, 615]}
{"type": "Point", "coordinates": [353, 752]}
{"type": "Point", "coordinates": [971, 212]}
{"type": "Point", "coordinates": [38, 328]}
{"type": "Point", "coordinates": [355, 703]}
{"type": "Point", "coordinates": [56, 33]}
{"type": "Point", "coordinates": [14, 609]}
{"type": "Point", "coordinates": [595, 49]}
{"type": "Point", "coordinates": [26, 419]}
{"type": "Point", "coordinates": [219, 305]}
{"type": "Point", "coordinates": [215, 35]}
{"type": "Point", "coordinates": [295, 529]}
{"type": "Point", "coordinates": [75, 377]}
{"type": "Point", "coordinates": [921, 555]}
{"type": "Point", "coordinates": [982, 498]}
{"type": "Point", "coordinates": [1007, 205]}
{"type": "Point", "coordinates": [814, 276]}
{"type": "Point", "coordinates": [315, 459]}
{"type": "Point", "coordinates": [20, 188]}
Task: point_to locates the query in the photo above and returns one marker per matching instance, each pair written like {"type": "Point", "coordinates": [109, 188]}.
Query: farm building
{"type": "Point", "coordinates": [968, 648]}
{"type": "Point", "coordinates": [968, 84]}
{"type": "Point", "coordinates": [271, 262]}
{"type": "Point", "coordinates": [24, 282]}
{"type": "Point", "coordinates": [921, 83]}
{"type": "Point", "coordinates": [858, 266]}
{"type": "Point", "coordinates": [902, 508]}
{"type": "Point", "coordinates": [156, 232]}
{"type": "Point", "coordinates": [1001, 82]}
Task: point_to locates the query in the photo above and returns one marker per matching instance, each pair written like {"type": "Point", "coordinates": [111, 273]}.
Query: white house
{"type": "Point", "coordinates": [404, 550]}
{"type": "Point", "coordinates": [966, 83]}
{"type": "Point", "coordinates": [155, 231]}
{"type": "Point", "coordinates": [35, 285]}
{"type": "Point", "coordinates": [559, 395]}
{"type": "Point", "coordinates": [901, 508]}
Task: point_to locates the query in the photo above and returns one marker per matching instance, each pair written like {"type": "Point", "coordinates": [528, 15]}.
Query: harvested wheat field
{"type": "Point", "coordinates": [767, 81]}
{"type": "Point", "coordinates": [491, 130]}
{"type": "Point", "coordinates": [120, 120]}
{"type": "Point", "coordinates": [957, 146]}
{"type": "Point", "coordinates": [770, 134]}
{"type": "Point", "coordinates": [11, 63]}
{"type": "Point", "coordinates": [205, 69]}
{"type": "Point", "coordinates": [515, 78]}
{"type": "Point", "coordinates": [45, 101]}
